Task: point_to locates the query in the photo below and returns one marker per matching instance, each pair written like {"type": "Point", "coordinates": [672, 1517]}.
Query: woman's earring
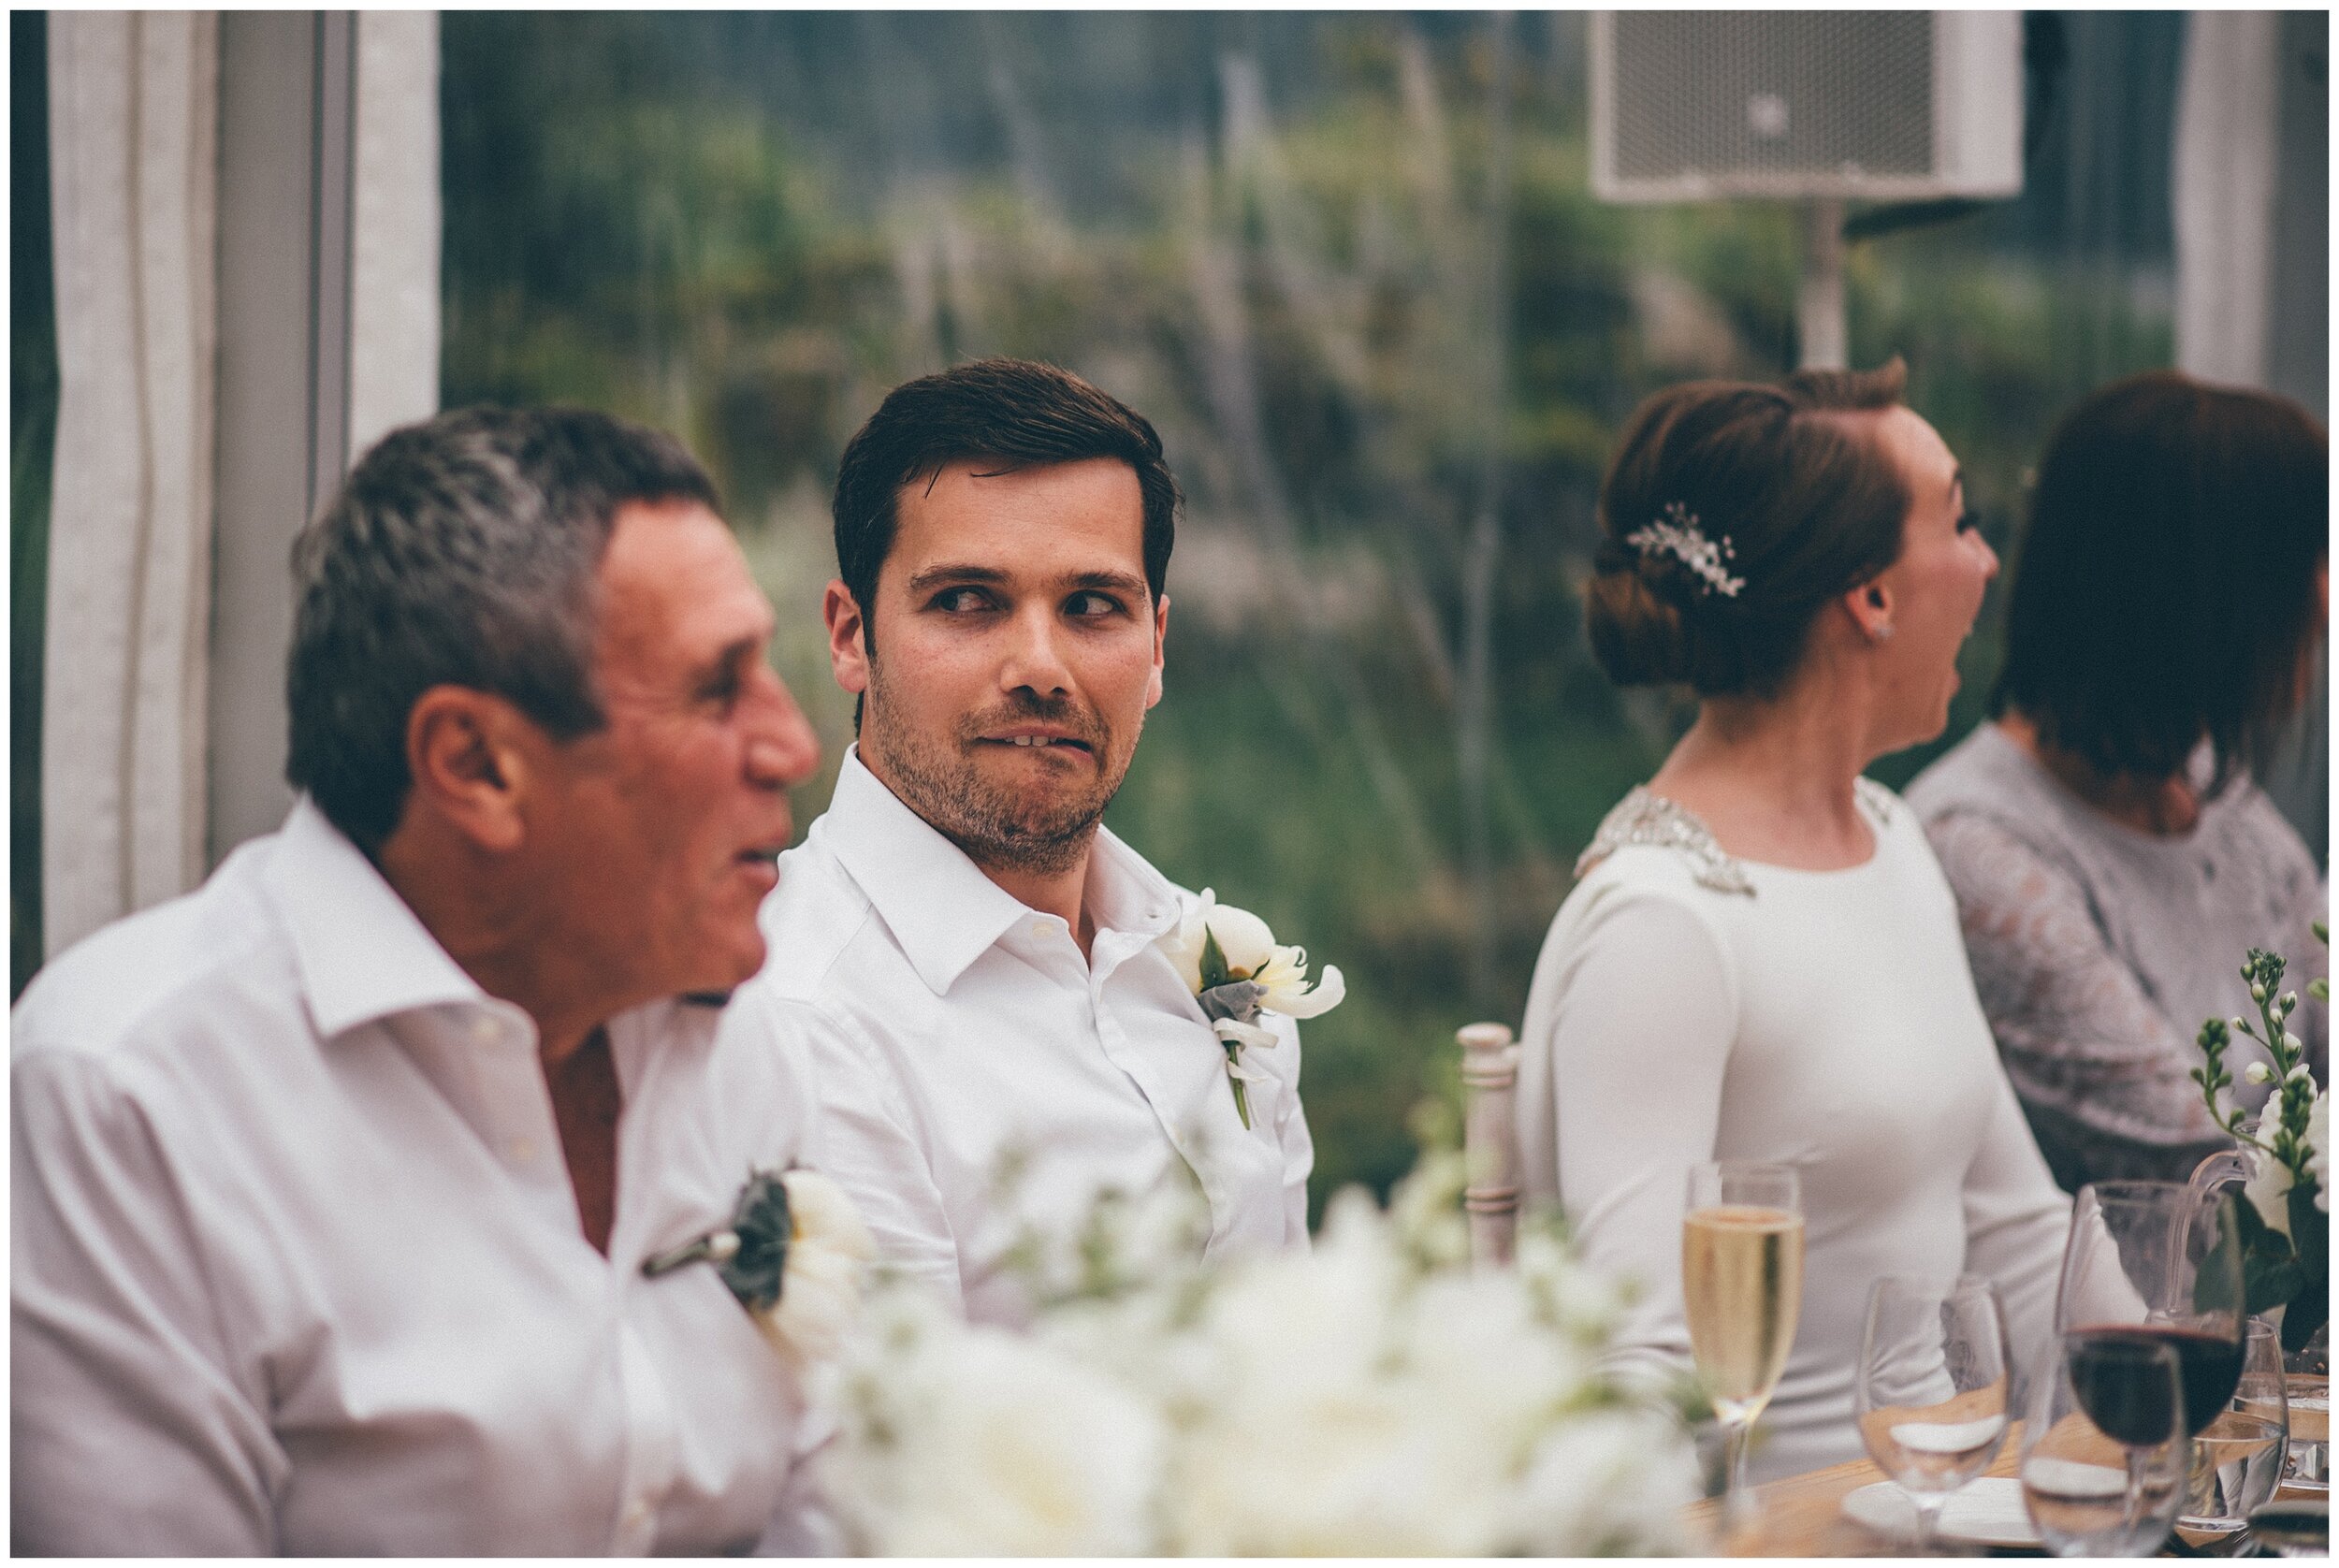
{"type": "Point", "coordinates": [1883, 633]}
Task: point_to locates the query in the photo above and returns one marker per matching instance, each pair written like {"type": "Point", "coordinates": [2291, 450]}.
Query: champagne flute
{"type": "Point", "coordinates": [1932, 1391]}
{"type": "Point", "coordinates": [1741, 1290]}
{"type": "Point", "coordinates": [2104, 1451]}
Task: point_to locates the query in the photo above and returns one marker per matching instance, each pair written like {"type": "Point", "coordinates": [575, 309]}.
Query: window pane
{"type": "Point", "coordinates": [1352, 268]}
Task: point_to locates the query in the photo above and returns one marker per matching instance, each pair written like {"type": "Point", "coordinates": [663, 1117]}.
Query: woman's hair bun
{"type": "Point", "coordinates": [1638, 638]}
{"type": "Point", "coordinates": [1730, 514]}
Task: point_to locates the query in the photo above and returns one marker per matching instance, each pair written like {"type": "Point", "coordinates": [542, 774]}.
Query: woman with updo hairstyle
{"type": "Point", "coordinates": [1761, 960]}
{"type": "Point", "coordinates": [2113, 859]}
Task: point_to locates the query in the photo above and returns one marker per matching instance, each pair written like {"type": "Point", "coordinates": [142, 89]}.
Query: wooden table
{"type": "Point", "coordinates": [1803, 1514]}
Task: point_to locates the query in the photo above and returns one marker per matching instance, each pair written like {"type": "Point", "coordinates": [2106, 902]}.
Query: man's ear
{"type": "Point", "coordinates": [467, 754]}
{"type": "Point", "coordinates": [847, 639]}
{"type": "Point", "coordinates": [1161, 635]}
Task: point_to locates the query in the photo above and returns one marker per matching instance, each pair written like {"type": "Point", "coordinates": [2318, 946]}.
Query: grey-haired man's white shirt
{"type": "Point", "coordinates": [957, 1033]}
{"type": "Point", "coordinates": [296, 1263]}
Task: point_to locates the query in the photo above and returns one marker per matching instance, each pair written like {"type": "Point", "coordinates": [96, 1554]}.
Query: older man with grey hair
{"type": "Point", "coordinates": [333, 1181]}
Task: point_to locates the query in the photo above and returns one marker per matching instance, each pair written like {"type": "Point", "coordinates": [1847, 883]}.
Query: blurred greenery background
{"type": "Point", "coordinates": [1352, 269]}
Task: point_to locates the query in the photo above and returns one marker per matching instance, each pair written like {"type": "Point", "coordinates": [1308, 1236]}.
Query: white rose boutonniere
{"type": "Point", "coordinates": [1229, 960]}
{"type": "Point", "coordinates": [794, 1255]}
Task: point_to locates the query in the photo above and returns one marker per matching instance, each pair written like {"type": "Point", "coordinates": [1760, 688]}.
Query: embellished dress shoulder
{"type": "Point", "coordinates": [1643, 817]}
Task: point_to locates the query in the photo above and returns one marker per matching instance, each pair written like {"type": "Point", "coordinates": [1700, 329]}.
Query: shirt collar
{"type": "Point", "coordinates": [943, 911]}
{"type": "Point", "coordinates": [361, 952]}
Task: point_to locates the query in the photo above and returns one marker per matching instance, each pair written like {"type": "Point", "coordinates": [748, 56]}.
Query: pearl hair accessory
{"type": "Point", "coordinates": [1677, 534]}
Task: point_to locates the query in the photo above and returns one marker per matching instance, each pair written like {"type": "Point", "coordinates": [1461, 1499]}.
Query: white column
{"type": "Point", "coordinates": [394, 243]}
{"type": "Point", "coordinates": [133, 137]}
{"type": "Point", "coordinates": [185, 459]}
{"type": "Point", "coordinates": [2223, 195]}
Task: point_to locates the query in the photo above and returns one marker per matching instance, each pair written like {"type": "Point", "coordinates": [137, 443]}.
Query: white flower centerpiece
{"type": "Point", "coordinates": [1229, 960]}
{"type": "Point", "coordinates": [1375, 1395]}
{"type": "Point", "coordinates": [2286, 1223]}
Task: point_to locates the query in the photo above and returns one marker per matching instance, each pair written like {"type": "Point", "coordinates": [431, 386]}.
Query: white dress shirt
{"type": "Point", "coordinates": [1825, 1019]}
{"type": "Point", "coordinates": [956, 1031]}
{"type": "Point", "coordinates": [297, 1263]}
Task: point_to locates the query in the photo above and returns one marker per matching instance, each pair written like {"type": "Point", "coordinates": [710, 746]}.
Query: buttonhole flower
{"type": "Point", "coordinates": [1229, 960]}
{"type": "Point", "coordinates": [794, 1255]}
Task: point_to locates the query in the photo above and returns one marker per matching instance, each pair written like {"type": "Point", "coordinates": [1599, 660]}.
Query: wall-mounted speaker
{"type": "Point", "coordinates": [1894, 106]}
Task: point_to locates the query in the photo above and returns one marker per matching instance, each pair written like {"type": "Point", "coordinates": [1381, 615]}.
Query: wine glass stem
{"type": "Point", "coordinates": [1929, 1522]}
{"type": "Point", "coordinates": [1736, 1504]}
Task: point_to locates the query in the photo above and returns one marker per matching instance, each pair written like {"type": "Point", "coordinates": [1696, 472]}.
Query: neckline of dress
{"type": "Point", "coordinates": [1645, 817]}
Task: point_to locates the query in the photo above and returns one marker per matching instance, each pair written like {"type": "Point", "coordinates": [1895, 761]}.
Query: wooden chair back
{"type": "Point", "coordinates": [1490, 1077]}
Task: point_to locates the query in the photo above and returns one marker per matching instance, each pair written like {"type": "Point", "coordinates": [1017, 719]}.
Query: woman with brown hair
{"type": "Point", "coordinates": [2112, 859]}
{"type": "Point", "coordinates": [1761, 960]}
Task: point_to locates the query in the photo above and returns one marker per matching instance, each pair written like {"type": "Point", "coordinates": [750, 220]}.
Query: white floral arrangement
{"type": "Point", "coordinates": [2286, 1224]}
{"type": "Point", "coordinates": [1375, 1395]}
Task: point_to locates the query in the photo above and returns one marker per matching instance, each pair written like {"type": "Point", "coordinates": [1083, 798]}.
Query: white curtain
{"type": "Point", "coordinates": [2223, 195]}
{"type": "Point", "coordinates": [133, 114]}
{"type": "Point", "coordinates": [394, 223]}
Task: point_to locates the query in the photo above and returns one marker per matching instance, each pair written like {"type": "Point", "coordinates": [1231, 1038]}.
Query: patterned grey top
{"type": "Point", "coordinates": [2097, 950]}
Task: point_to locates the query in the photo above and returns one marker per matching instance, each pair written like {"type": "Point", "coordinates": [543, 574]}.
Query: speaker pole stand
{"type": "Point", "coordinates": [1818, 308]}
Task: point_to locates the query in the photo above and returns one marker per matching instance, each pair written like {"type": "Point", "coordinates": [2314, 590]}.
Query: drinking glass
{"type": "Point", "coordinates": [1741, 1290]}
{"type": "Point", "coordinates": [1933, 1382]}
{"type": "Point", "coordinates": [2105, 1450]}
{"type": "Point", "coordinates": [2238, 1457]}
{"type": "Point", "coordinates": [2307, 1372]}
{"type": "Point", "coordinates": [2157, 1261]}
{"type": "Point", "coordinates": [2293, 1529]}
{"type": "Point", "coordinates": [2306, 1385]}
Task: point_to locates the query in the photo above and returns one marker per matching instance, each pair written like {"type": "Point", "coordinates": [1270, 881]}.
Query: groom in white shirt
{"type": "Point", "coordinates": [997, 1036]}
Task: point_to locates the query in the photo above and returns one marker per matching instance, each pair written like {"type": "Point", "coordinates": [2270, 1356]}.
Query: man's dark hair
{"type": "Point", "coordinates": [2165, 587]}
{"type": "Point", "coordinates": [1013, 413]}
{"type": "Point", "coordinates": [460, 551]}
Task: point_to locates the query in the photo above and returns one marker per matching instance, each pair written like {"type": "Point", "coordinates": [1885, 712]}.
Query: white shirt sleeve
{"type": "Point", "coordinates": [1646, 1021]}
{"type": "Point", "coordinates": [863, 1140]}
{"type": "Point", "coordinates": [2016, 1220]}
{"type": "Point", "coordinates": [131, 1431]}
{"type": "Point", "coordinates": [1291, 1133]}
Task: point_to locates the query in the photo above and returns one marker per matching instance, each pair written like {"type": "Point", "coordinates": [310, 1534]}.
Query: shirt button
{"type": "Point", "coordinates": [1040, 927]}
{"type": "Point", "coordinates": [482, 1029]}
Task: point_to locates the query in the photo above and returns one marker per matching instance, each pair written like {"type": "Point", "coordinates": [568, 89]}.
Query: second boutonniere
{"type": "Point", "coordinates": [1229, 960]}
{"type": "Point", "coordinates": [793, 1254]}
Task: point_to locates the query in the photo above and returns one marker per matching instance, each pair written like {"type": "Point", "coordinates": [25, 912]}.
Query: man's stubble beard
{"type": "Point", "coordinates": [993, 827]}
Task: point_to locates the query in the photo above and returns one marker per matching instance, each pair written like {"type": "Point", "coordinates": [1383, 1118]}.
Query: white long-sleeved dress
{"type": "Point", "coordinates": [1691, 1007]}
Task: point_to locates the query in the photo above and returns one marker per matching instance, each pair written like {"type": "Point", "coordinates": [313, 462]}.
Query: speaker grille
{"type": "Point", "coordinates": [1733, 97]}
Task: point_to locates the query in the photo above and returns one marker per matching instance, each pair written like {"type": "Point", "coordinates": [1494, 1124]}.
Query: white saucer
{"type": "Point", "coordinates": [1986, 1512]}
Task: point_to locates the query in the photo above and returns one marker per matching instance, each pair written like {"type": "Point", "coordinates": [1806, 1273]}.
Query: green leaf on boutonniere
{"type": "Point", "coordinates": [752, 1256]}
{"type": "Point", "coordinates": [1215, 970]}
{"type": "Point", "coordinates": [764, 1230]}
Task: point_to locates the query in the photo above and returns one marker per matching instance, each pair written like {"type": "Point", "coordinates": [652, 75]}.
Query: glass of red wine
{"type": "Point", "coordinates": [2104, 1459]}
{"type": "Point", "coordinates": [2151, 1263]}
